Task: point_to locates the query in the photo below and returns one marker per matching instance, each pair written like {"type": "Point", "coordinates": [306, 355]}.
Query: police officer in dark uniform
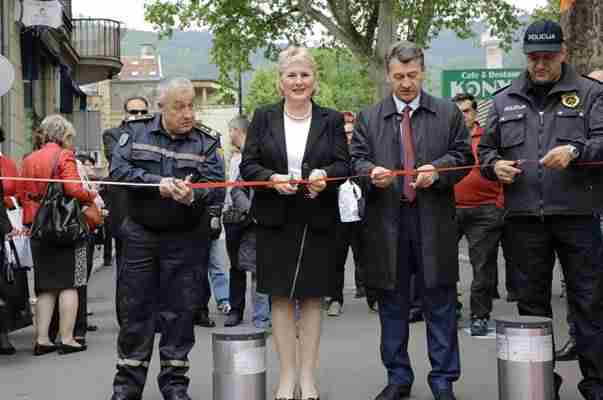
{"type": "Point", "coordinates": [164, 239]}
{"type": "Point", "coordinates": [551, 117]}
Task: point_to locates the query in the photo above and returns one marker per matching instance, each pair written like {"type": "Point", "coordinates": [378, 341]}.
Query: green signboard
{"type": "Point", "coordinates": [481, 83]}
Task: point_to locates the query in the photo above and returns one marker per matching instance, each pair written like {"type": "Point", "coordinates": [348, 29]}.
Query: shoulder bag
{"type": "Point", "coordinates": [59, 220]}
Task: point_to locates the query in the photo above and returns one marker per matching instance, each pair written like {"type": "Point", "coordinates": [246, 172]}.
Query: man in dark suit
{"type": "Point", "coordinates": [134, 107]}
{"type": "Point", "coordinates": [410, 223]}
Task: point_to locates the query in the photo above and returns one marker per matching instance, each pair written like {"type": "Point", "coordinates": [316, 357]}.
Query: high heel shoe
{"type": "Point", "coordinates": [41, 349]}
{"type": "Point", "coordinates": [68, 349]}
{"type": "Point", "coordinates": [8, 350]}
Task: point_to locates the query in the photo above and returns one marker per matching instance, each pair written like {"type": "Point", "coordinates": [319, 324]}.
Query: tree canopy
{"type": "Point", "coordinates": [549, 11]}
{"type": "Point", "coordinates": [365, 27]}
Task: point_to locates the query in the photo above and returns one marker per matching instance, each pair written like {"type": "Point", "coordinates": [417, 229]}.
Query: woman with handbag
{"type": "Point", "coordinates": [60, 267]}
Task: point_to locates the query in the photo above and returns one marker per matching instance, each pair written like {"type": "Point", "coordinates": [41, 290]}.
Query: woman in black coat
{"type": "Point", "coordinates": [295, 224]}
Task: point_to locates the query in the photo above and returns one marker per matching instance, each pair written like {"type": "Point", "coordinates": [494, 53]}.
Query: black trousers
{"type": "Point", "coordinates": [349, 234]}
{"type": "Point", "coordinates": [577, 242]}
{"type": "Point", "coordinates": [482, 226]}
{"type": "Point", "coordinates": [512, 273]}
{"type": "Point", "coordinates": [157, 285]}
{"type": "Point", "coordinates": [118, 263]}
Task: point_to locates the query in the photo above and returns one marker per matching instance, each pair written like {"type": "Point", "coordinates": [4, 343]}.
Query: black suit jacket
{"type": "Point", "coordinates": [265, 154]}
{"type": "Point", "coordinates": [115, 197]}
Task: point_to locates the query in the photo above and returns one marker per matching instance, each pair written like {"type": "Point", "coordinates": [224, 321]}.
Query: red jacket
{"type": "Point", "coordinates": [8, 168]}
{"type": "Point", "coordinates": [475, 190]}
{"type": "Point", "coordinates": [39, 164]}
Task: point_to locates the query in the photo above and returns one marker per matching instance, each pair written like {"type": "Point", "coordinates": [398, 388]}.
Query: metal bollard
{"type": "Point", "coordinates": [239, 364]}
{"type": "Point", "coordinates": [525, 358]}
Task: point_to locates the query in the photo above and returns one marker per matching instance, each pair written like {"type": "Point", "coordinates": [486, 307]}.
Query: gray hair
{"type": "Point", "coordinates": [57, 129]}
{"type": "Point", "coordinates": [404, 52]}
{"type": "Point", "coordinates": [241, 122]}
{"type": "Point", "coordinates": [168, 85]}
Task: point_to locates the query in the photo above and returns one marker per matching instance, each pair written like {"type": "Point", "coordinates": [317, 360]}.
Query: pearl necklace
{"type": "Point", "coordinates": [305, 117]}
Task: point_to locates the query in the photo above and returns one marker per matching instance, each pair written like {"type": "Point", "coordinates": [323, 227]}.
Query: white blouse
{"type": "Point", "coordinates": [296, 136]}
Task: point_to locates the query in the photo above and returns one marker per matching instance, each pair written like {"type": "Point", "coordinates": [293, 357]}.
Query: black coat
{"type": "Point", "coordinates": [265, 154]}
{"type": "Point", "coordinates": [295, 235]}
{"type": "Point", "coordinates": [115, 197]}
{"type": "Point", "coordinates": [441, 139]}
{"type": "Point", "coordinates": [520, 129]}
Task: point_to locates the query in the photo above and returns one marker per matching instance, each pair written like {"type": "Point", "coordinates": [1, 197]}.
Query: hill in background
{"type": "Point", "coordinates": [187, 54]}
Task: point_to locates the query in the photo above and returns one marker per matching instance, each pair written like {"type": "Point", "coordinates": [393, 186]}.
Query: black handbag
{"type": "Point", "coordinates": [59, 220]}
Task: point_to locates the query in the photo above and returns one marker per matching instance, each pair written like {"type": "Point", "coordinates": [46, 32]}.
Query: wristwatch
{"type": "Point", "coordinates": [574, 152]}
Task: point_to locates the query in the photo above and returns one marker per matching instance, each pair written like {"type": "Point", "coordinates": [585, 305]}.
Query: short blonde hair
{"type": "Point", "coordinates": [297, 54]}
{"type": "Point", "coordinates": [58, 130]}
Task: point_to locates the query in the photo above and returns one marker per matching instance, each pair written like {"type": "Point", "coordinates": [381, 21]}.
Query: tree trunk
{"type": "Point", "coordinates": [385, 37]}
{"type": "Point", "coordinates": [583, 29]}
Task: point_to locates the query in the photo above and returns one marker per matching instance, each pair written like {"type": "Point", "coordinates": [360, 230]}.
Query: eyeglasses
{"type": "Point", "coordinates": [544, 57]}
{"type": "Point", "coordinates": [138, 112]}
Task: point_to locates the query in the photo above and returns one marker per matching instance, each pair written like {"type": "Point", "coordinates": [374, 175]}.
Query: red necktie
{"type": "Point", "coordinates": [409, 155]}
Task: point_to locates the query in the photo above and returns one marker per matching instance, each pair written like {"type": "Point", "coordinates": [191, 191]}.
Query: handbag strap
{"type": "Point", "coordinates": [55, 164]}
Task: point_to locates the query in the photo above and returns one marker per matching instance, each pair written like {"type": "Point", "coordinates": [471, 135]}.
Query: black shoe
{"type": "Point", "coordinates": [448, 395]}
{"type": "Point", "coordinates": [7, 351]}
{"type": "Point", "coordinates": [360, 293]}
{"type": "Point", "coordinates": [41, 349]}
{"type": "Point", "coordinates": [234, 318]}
{"type": "Point", "coordinates": [394, 392]}
{"type": "Point", "coordinates": [68, 349]}
{"type": "Point", "coordinates": [80, 340]}
{"type": "Point", "coordinates": [202, 319]}
{"type": "Point", "coordinates": [568, 352]}
{"type": "Point", "coordinates": [415, 315]}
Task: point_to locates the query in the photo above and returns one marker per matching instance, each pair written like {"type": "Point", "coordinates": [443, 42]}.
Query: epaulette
{"type": "Point", "coordinates": [208, 131]}
{"type": "Point", "coordinates": [501, 89]}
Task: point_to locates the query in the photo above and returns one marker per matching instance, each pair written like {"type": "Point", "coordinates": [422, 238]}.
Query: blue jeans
{"type": "Point", "coordinates": [216, 268]}
{"type": "Point", "coordinates": [261, 307]}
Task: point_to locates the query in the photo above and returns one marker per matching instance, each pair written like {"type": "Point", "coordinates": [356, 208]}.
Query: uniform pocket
{"type": "Point", "coordinates": [189, 167]}
{"type": "Point", "coordinates": [571, 126]}
{"type": "Point", "coordinates": [513, 130]}
{"type": "Point", "coordinates": [148, 160]}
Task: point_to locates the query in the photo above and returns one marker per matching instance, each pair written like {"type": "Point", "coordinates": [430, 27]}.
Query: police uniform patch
{"type": "Point", "coordinates": [570, 100]}
{"type": "Point", "coordinates": [123, 139]}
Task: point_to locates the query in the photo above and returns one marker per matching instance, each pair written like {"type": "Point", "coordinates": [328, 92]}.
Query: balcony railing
{"type": "Point", "coordinates": [98, 38]}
